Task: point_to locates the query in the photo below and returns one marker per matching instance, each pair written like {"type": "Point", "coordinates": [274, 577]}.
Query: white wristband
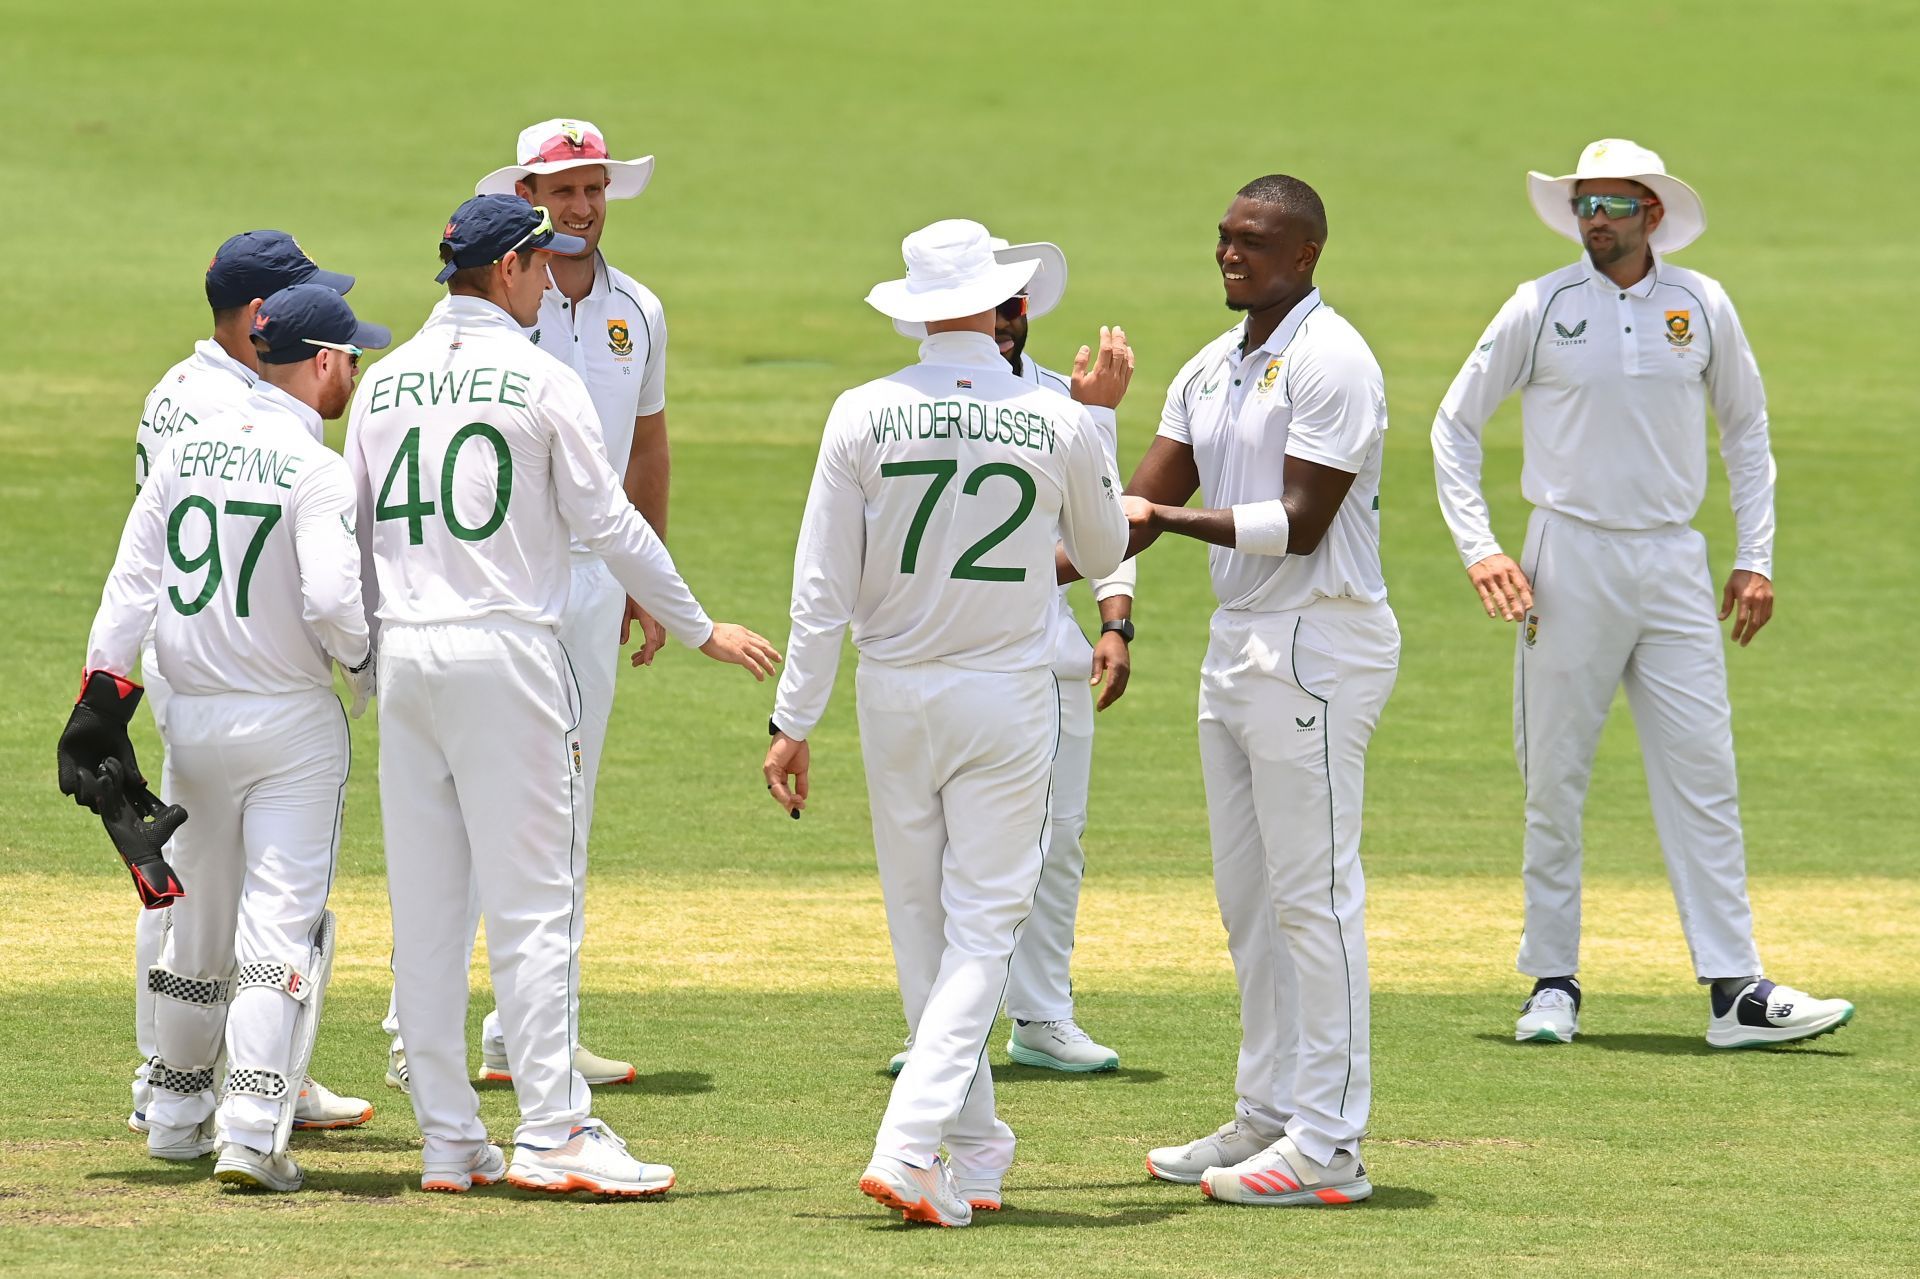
{"type": "Point", "coordinates": [1260, 528]}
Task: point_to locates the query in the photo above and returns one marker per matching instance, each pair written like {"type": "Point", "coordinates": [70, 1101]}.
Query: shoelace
{"type": "Point", "coordinates": [598, 1131]}
{"type": "Point", "coordinates": [1069, 1032]}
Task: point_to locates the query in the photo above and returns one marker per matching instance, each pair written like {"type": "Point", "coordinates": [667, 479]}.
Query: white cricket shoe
{"type": "Point", "coordinates": [1059, 1045]}
{"type": "Point", "coordinates": [920, 1194]}
{"type": "Point", "coordinates": [1548, 1017]}
{"type": "Point", "coordinates": [142, 1096]}
{"type": "Point", "coordinates": [596, 1070]}
{"type": "Point", "coordinates": [981, 1192]}
{"type": "Point", "coordinates": [594, 1160]}
{"type": "Point", "coordinates": [482, 1168]}
{"type": "Point", "coordinates": [1220, 1149]}
{"type": "Point", "coordinates": [240, 1165]}
{"type": "Point", "coordinates": [397, 1070]}
{"type": "Point", "coordinates": [320, 1107]}
{"type": "Point", "coordinates": [899, 1062]}
{"type": "Point", "coordinates": [1280, 1176]}
{"type": "Point", "coordinates": [1765, 1014]}
{"type": "Point", "coordinates": [181, 1144]}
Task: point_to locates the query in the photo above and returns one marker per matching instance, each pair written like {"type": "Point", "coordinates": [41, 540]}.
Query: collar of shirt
{"type": "Point", "coordinates": [465, 308]}
{"type": "Point", "coordinates": [602, 284]}
{"type": "Point", "coordinates": [1289, 325]}
{"type": "Point", "coordinates": [962, 347]}
{"type": "Point", "coordinates": [215, 356]}
{"type": "Point", "coordinates": [267, 393]}
{"type": "Point", "coordinates": [1641, 288]}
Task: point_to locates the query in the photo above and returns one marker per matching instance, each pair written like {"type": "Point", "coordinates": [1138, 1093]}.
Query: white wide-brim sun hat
{"type": "Point", "coordinates": [556, 145]}
{"type": "Point", "coordinates": [1685, 218]}
{"type": "Point", "coordinates": [953, 271]}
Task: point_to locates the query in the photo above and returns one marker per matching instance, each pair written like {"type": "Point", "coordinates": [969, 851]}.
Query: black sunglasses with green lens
{"type": "Point", "coordinates": [1615, 207]}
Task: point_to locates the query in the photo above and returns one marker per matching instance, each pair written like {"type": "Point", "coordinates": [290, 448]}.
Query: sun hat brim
{"type": "Point", "coordinates": [1683, 223]}
{"type": "Point", "coordinates": [625, 178]}
{"type": "Point", "coordinates": [910, 306]}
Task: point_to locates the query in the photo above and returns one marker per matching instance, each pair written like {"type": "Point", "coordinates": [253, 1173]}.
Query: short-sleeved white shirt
{"type": "Point", "coordinates": [616, 340]}
{"type": "Point", "coordinates": [1313, 391]}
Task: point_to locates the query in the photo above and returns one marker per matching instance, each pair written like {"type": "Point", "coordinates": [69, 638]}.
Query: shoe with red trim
{"type": "Point", "coordinates": [1281, 1177]}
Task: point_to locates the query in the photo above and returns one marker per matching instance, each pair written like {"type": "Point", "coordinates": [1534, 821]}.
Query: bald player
{"type": "Point", "coordinates": [476, 455]}
{"type": "Point", "coordinates": [218, 376]}
{"type": "Point", "coordinates": [930, 531]}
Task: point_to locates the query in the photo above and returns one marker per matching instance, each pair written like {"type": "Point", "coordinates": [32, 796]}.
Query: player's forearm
{"type": "Point", "coordinates": [1116, 608]}
{"type": "Point", "coordinates": [1456, 478]}
{"type": "Point", "coordinates": [649, 476]}
{"type": "Point", "coordinates": [807, 678]}
{"type": "Point", "coordinates": [1205, 524]}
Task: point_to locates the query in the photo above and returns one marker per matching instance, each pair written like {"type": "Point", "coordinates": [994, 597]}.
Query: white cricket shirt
{"type": "Point", "coordinates": [205, 383]}
{"type": "Point", "coordinates": [1127, 575]}
{"type": "Point", "coordinates": [1613, 388]}
{"type": "Point", "coordinates": [615, 338]}
{"type": "Point", "coordinates": [475, 454]}
{"type": "Point", "coordinates": [1313, 391]}
{"type": "Point", "coordinates": [240, 550]}
{"type": "Point", "coordinates": [930, 526]}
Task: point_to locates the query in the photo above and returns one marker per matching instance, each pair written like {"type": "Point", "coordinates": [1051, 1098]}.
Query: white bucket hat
{"type": "Point", "coordinates": [952, 271]}
{"type": "Point", "coordinates": [554, 145]}
{"type": "Point", "coordinates": [1685, 216]}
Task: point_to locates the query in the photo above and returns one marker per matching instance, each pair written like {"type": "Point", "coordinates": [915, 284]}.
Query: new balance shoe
{"type": "Point", "coordinates": [397, 1070]}
{"type": "Point", "coordinates": [1220, 1149]}
{"type": "Point", "coordinates": [181, 1144]}
{"type": "Point", "coordinates": [482, 1168]}
{"type": "Point", "coordinates": [320, 1107]}
{"type": "Point", "coordinates": [1059, 1045]}
{"type": "Point", "coordinates": [1548, 1017]}
{"type": "Point", "coordinates": [899, 1062]}
{"type": "Point", "coordinates": [1281, 1177]}
{"type": "Point", "coordinates": [1764, 1014]}
{"type": "Point", "coordinates": [596, 1070]}
{"type": "Point", "coordinates": [981, 1192]}
{"type": "Point", "coordinates": [249, 1169]}
{"type": "Point", "coordinates": [594, 1161]}
{"type": "Point", "coordinates": [919, 1194]}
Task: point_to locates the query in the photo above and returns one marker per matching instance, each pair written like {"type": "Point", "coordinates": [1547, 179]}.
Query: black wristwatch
{"type": "Point", "coordinates": [1121, 626]}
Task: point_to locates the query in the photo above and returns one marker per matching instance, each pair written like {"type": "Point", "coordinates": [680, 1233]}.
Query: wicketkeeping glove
{"type": "Point", "coordinates": [96, 732]}
{"type": "Point", "coordinates": [140, 826]}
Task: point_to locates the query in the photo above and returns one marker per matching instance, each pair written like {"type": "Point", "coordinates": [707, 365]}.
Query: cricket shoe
{"type": "Point", "coordinates": [981, 1192]}
{"type": "Point", "coordinates": [1221, 1149]}
{"type": "Point", "coordinates": [248, 1168]}
{"type": "Point", "coordinates": [899, 1062]}
{"type": "Point", "coordinates": [594, 1160]}
{"type": "Point", "coordinates": [1059, 1045]}
{"type": "Point", "coordinates": [320, 1107]}
{"type": "Point", "coordinates": [919, 1194]}
{"type": "Point", "coordinates": [1548, 1017]}
{"type": "Point", "coordinates": [137, 1122]}
{"type": "Point", "coordinates": [596, 1070]}
{"type": "Point", "coordinates": [1765, 1014]}
{"type": "Point", "coordinates": [397, 1070]}
{"type": "Point", "coordinates": [142, 1094]}
{"type": "Point", "coordinates": [181, 1144]}
{"type": "Point", "coordinates": [1281, 1177]}
{"type": "Point", "coordinates": [482, 1168]}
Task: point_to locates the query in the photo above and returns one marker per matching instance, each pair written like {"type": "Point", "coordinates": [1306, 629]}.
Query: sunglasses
{"type": "Point", "coordinates": [543, 227]}
{"type": "Point", "coordinates": [352, 352]}
{"type": "Point", "coordinates": [1013, 308]}
{"type": "Point", "coordinates": [1615, 207]}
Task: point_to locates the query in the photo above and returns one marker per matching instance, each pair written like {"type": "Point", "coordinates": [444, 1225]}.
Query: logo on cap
{"type": "Point", "coordinates": [572, 133]}
{"type": "Point", "coordinates": [618, 340]}
{"type": "Point", "coordinates": [259, 321]}
{"type": "Point", "coordinates": [448, 233]}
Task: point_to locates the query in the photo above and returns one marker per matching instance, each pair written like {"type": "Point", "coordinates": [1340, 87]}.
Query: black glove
{"type": "Point", "coordinates": [95, 732]}
{"type": "Point", "coordinates": [140, 826]}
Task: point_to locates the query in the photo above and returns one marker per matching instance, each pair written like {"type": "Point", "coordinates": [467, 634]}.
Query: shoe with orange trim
{"type": "Point", "coordinates": [482, 1168]}
{"type": "Point", "coordinates": [321, 1107]}
{"type": "Point", "coordinates": [1281, 1177]}
{"type": "Point", "coordinates": [594, 1161]}
{"type": "Point", "coordinates": [925, 1195]}
{"type": "Point", "coordinates": [980, 1190]}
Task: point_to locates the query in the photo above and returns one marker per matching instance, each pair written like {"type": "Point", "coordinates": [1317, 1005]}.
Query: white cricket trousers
{"type": "Point", "coordinates": [1288, 703]}
{"type": "Point", "coordinates": [590, 633]}
{"type": "Point", "coordinates": [1040, 987]}
{"type": "Point", "coordinates": [149, 926]}
{"type": "Point", "coordinates": [957, 764]}
{"type": "Point", "coordinates": [262, 779]}
{"type": "Point", "coordinates": [1634, 607]}
{"type": "Point", "coordinates": [480, 785]}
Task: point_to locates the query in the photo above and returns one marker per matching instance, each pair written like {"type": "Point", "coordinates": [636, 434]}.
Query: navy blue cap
{"type": "Point", "coordinates": [487, 227]}
{"type": "Point", "coordinates": [294, 323]}
{"type": "Point", "coordinates": [255, 264]}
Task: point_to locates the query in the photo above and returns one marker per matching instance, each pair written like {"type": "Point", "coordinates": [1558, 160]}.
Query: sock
{"type": "Point", "coordinates": [1569, 984]}
{"type": "Point", "coordinates": [1726, 990]}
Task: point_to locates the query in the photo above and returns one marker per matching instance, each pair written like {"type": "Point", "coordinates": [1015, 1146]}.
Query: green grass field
{"type": "Point", "coordinates": [741, 958]}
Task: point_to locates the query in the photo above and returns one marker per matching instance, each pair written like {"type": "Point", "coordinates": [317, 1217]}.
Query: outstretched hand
{"type": "Point", "coordinates": [1104, 384]}
{"type": "Point", "coordinates": [741, 647]}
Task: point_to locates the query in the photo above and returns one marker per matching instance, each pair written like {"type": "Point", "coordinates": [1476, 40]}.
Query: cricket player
{"type": "Point", "coordinates": [1040, 988]}
{"type": "Point", "coordinates": [218, 376]}
{"type": "Point", "coordinates": [613, 331]}
{"type": "Point", "coordinates": [1279, 423]}
{"type": "Point", "coordinates": [240, 555]}
{"type": "Point", "coordinates": [476, 454]}
{"type": "Point", "coordinates": [1615, 358]}
{"type": "Point", "coordinates": [930, 529]}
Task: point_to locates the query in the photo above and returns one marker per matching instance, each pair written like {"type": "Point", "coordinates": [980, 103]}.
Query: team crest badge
{"type": "Point", "coordinates": [1679, 328]}
{"type": "Point", "coordinates": [1271, 376]}
{"type": "Point", "coordinates": [573, 133]}
{"type": "Point", "coordinates": [618, 340]}
{"type": "Point", "coordinates": [576, 756]}
{"type": "Point", "coordinates": [1533, 628]}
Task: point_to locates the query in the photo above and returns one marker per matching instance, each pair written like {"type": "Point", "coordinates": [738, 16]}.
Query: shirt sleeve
{"type": "Point", "coordinates": [1093, 529]}
{"type": "Point", "coordinates": [132, 591]}
{"type": "Point", "coordinates": [653, 379]}
{"type": "Point", "coordinates": [1740, 407]}
{"type": "Point", "coordinates": [1339, 403]}
{"type": "Point", "coordinates": [1497, 367]}
{"type": "Point", "coordinates": [1173, 415]}
{"type": "Point", "coordinates": [597, 512]}
{"type": "Point", "coordinates": [328, 553]}
{"type": "Point", "coordinates": [826, 582]}
{"type": "Point", "coordinates": [362, 482]}
{"type": "Point", "coordinates": [1123, 579]}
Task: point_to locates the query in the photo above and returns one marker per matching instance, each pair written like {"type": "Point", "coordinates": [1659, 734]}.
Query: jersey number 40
{"type": "Point", "coordinates": [415, 510]}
